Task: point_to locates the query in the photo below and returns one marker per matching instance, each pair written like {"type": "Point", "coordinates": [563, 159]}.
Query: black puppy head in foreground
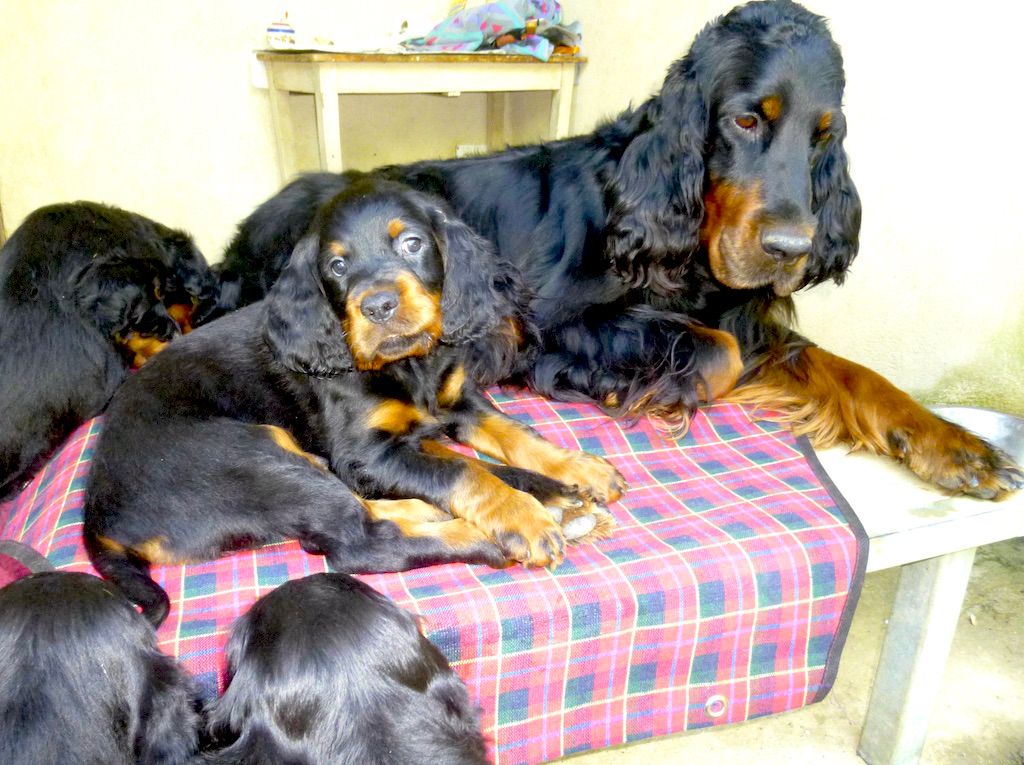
{"type": "Point", "coordinates": [325, 669]}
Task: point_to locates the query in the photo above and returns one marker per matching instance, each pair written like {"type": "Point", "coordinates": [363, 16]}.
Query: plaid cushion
{"type": "Point", "coordinates": [724, 594]}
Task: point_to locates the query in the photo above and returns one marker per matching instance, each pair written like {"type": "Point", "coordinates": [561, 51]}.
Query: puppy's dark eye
{"type": "Point", "coordinates": [411, 245]}
{"type": "Point", "coordinates": [338, 266]}
{"type": "Point", "coordinates": [746, 121]}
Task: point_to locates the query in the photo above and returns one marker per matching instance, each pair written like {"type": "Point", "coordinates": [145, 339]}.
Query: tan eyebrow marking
{"type": "Point", "coordinates": [395, 227]}
{"type": "Point", "coordinates": [825, 122]}
{"type": "Point", "coordinates": [772, 107]}
{"type": "Point", "coordinates": [336, 248]}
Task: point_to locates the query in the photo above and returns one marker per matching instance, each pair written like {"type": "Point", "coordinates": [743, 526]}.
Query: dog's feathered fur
{"type": "Point", "coordinates": [357, 361]}
{"type": "Point", "coordinates": [84, 289]}
{"type": "Point", "coordinates": [326, 670]}
{"type": "Point", "coordinates": [661, 250]}
{"type": "Point", "coordinates": [83, 682]}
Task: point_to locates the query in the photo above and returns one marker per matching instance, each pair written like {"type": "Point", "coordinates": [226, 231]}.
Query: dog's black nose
{"type": "Point", "coordinates": [785, 244]}
{"type": "Point", "coordinates": [380, 306]}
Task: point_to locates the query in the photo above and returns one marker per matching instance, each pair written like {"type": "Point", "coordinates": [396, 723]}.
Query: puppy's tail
{"type": "Point", "coordinates": [130, 573]}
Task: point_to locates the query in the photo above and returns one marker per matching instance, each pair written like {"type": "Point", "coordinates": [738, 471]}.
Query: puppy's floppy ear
{"type": "Point", "coordinates": [474, 298]}
{"type": "Point", "coordinates": [189, 269]}
{"type": "Point", "coordinates": [170, 724]}
{"type": "Point", "coordinates": [302, 327]}
{"type": "Point", "coordinates": [654, 225]}
{"type": "Point", "coordinates": [836, 203]}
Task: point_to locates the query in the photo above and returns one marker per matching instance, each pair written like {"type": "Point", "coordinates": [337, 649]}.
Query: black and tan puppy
{"type": "Point", "coordinates": [82, 681]}
{"type": "Point", "coordinates": [86, 291]}
{"type": "Point", "coordinates": [358, 360]}
{"type": "Point", "coordinates": [326, 670]}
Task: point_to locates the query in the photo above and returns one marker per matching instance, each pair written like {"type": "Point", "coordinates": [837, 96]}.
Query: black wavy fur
{"type": "Point", "coordinates": [326, 670]}
{"type": "Point", "coordinates": [83, 681]}
{"type": "Point", "coordinates": [75, 280]}
{"type": "Point", "coordinates": [606, 228]}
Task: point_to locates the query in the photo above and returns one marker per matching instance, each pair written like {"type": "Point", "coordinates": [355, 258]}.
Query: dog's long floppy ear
{"type": "Point", "coordinates": [475, 297]}
{"type": "Point", "coordinates": [302, 328]}
{"type": "Point", "coordinates": [658, 186]}
{"type": "Point", "coordinates": [170, 717]}
{"type": "Point", "coordinates": [836, 203]}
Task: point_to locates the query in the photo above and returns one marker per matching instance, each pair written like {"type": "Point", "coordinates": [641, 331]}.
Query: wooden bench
{"type": "Point", "coordinates": [932, 538]}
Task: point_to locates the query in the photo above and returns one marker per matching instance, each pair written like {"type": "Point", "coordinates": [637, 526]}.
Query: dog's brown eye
{"type": "Point", "coordinates": [339, 266]}
{"type": "Point", "coordinates": [746, 121]}
{"type": "Point", "coordinates": [412, 245]}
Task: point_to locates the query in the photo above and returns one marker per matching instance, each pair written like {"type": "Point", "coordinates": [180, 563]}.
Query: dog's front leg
{"type": "Point", "coordinates": [386, 460]}
{"type": "Point", "coordinates": [478, 424]}
{"type": "Point", "coordinates": [834, 400]}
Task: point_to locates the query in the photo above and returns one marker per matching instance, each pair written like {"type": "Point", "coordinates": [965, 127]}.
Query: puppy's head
{"type": "Point", "coordinates": [386, 273]}
{"type": "Point", "coordinates": [380, 262]}
{"type": "Point", "coordinates": [82, 680]}
{"type": "Point", "coordinates": [326, 669]}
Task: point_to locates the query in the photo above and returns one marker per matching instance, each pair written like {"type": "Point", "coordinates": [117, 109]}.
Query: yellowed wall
{"type": "Point", "coordinates": [150, 106]}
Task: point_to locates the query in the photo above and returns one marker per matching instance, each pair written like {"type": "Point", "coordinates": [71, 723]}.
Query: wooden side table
{"type": "Point", "coordinates": [328, 75]}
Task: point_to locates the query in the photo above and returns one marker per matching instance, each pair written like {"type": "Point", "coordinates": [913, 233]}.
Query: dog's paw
{"type": "Point", "coordinates": [592, 476]}
{"type": "Point", "coordinates": [582, 520]}
{"type": "Point", "coordinates": [957, 461]}
{"type": "Point", "coordinates": [525, 531]}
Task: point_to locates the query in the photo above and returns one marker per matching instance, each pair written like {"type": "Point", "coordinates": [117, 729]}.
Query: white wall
{"type": "Point", "coordinates": [150, 106]}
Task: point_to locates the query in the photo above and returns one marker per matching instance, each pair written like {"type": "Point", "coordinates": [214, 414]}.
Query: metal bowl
{"type": "Point", "coordinates": [1003, 430]}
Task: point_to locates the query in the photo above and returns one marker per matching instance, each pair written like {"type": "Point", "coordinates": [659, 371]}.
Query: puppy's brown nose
{"type": "Point", "coordinates": [785, 244]}
{"type": "Point", "coordinates": [380, 306]}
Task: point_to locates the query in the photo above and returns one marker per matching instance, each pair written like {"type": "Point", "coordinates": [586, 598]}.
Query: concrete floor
{"type": "Point", "coordinates": [978, 717]}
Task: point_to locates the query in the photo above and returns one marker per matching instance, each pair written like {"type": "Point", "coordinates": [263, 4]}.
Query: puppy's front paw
{"type": "Point", "coordinates": [593, 476]}
{"type": "Point", "coordinates": [524, 530]}
{"type": "Point", "coordinates": [582, 519]}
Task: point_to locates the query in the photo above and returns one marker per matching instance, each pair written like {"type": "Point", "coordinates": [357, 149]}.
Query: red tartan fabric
{"type": "Point", "coordinates": [723, 595]}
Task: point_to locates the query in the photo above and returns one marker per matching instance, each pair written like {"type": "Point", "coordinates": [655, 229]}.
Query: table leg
{"type": "Point", "coordinates": [498, 111]}
{"type": "Point", "coordinates": [561, 103]}
{"type": "Point", "coordinates": [328, 120]}
{"type": "Point", "coordinates": [280, 115]}
{"type": "Point", "coordinates": [917, 642]}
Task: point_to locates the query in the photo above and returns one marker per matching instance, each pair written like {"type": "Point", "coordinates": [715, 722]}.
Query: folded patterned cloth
{"type": "Point", "coordinates": [476, 28]}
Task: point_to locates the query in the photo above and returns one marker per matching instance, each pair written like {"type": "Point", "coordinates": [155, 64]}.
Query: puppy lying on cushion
{"type": "Point", "coordinates": [83, 682]}
{"type": "Point", "coordinates": [275, 421]}
{"type": "Point", "coordinates": [325, 669]}
{"type": "Point", "coordinates": [86, 291]}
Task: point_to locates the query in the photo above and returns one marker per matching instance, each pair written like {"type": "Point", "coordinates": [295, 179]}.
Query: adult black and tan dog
{"type": "Point", "coordinates": [325, 669]}
{"type": "Point", "coordinates": [86, 290]}
{"type": "Point", "coordinates": [362, 356]}
{"type": "Point", "coordinates": [83, 682]}
{"type": "Point", "coordinates": [662, 249]}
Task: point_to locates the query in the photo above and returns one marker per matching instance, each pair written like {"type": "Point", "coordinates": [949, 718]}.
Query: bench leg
{"type": "Point", "coordinates": [917, 642]}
